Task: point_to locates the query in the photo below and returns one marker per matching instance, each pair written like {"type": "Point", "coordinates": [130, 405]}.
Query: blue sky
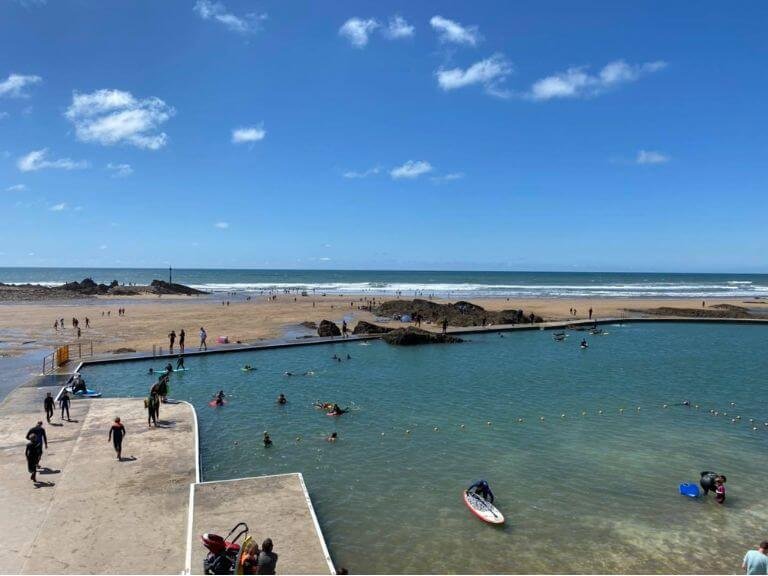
{"type": "Point", "coordinates": [498, 135]}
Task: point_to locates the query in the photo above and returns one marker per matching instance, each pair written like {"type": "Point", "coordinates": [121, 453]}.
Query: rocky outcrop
{"type": "Point", "coordinates": [163, 287]}
{"type": "Point", "coordinates": [413, 336]}
{"type": "Point", "coordinates": [87, 287]}
{"type": "Point", "coordinates": [364, 327]}
{"type": "Point", "coordinates": [328, 328]}
{"type": "Point", "coordinates": [716, 311]}
{"type": "Point", "coordinates": [456, 314]}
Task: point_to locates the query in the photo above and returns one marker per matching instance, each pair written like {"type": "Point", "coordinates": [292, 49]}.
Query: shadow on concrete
{"type": "Point", "coordinates": [41, 484]}
{"type": "Point", "coordinates": [128, 459]}
{"type": "Point", "coordinates": [46, 470]}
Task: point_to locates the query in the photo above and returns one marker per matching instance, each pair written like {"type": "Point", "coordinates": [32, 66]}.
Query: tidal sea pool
{"type": "Point", "coordinates": [582, 491]}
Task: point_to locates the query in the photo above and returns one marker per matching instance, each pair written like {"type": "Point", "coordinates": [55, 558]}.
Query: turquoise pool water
{"type": "Point", "coordinates": [581, 493]}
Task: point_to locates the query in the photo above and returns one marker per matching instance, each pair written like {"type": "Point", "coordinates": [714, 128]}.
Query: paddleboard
{"type": "Point", "coordinates": [87, 394]}
{"type": "Point", "coordinates": [247, 369]}
{"type": "Point", "coordinates": [483, 509]}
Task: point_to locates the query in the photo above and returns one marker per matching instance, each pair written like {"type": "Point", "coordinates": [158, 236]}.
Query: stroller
{"type": "Point", "coordinates": [222, 552]}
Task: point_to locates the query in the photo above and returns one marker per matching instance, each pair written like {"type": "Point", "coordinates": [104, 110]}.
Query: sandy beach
{"type": "Point", "coordinates": [148, 320]}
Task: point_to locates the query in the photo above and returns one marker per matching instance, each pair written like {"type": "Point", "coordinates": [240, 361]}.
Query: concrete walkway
{"type": "Point", "coordinates": [276, 507]}
{"type": "Point", "coordinates": [97, 515]}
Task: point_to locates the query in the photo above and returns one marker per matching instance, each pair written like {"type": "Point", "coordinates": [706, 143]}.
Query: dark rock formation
{"type": "Point", "coordinates": [456, 314]}
{"type": "Point", "coordinates": [123, 350]}
{"type": "Point", "coordinates": [163, 287]}
{"type": "Point", "coordinates": [87, 287]}
{"type": "Point", "coordinates": [364, 327]}
{"type": "Point", "coordinates": [328, 328]}
{"type": "Point", "coordinates": [413, 336]}
{"type": "Point", "coordinates": [716, 311]}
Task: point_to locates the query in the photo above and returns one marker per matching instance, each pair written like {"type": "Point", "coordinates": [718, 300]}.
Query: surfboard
{"type": "Point", "coordinates": [483, 509]}
{"type": "Point", "coordinates": [87, 394]}
{"type": "Point", "coordinates": [247, 369]}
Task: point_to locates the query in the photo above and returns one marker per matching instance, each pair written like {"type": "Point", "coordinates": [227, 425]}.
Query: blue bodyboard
{"type": "Point", "coordinates": [690, 490]}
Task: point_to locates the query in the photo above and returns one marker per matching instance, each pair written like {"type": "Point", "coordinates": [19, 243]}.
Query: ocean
{"type": "Point", "coordinates": [584, 449]}
{"type": "Point", "coordinates": [465, 285]}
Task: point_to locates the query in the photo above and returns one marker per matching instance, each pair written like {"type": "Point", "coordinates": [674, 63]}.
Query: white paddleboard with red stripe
{"type": "Point", "coordinates": [483, 509]}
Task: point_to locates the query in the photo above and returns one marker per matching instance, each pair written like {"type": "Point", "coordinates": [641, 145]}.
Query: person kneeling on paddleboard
{"type": "Point", "coordinates": [482, 489]}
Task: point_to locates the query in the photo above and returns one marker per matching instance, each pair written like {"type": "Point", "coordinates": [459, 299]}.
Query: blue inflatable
{"type": "Point", "coordinates": [690, 490]}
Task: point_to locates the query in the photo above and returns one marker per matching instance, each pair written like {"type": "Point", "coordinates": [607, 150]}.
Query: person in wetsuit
{"type": "Point", "coordinates": [33, 459]}
{"type": "Point", "coordinates": [48, 404]}
{"type": "Point", "coordinates": [282, 399]}
{"type": "Point", "coordinates": [220, 397]}
{"type": "Point", "coordinates": [168, 368]}
{"type": "Point", "coordinates": [180, 363]}
{"type": "Point", "coordinates": [482, 489]}
{"type": "Point", "coordinates": [37, 435]}
{"type": "Point", "coordinates": [162, 389]}
{"type": "Point", "coordinates": [116, 435]}
{"type": "Point", "coordinates": [337, 410]}
{"type": "Point", "coordinates": [64, 404]}
{"type": "Point", "coordinates": [267, 440]}
{"type": "Point", "coordinates": [151, 415]}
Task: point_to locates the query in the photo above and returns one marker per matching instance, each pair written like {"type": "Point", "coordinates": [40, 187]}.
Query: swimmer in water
{"type": "Point", "coordinates": [248, 368]}
{"type": "Point", "coordinates": [151, 371]}
{"type": "Point", "coordinates": [333, 437]}
{"type": "Point", "coordinates": [220, 397]}
{"type": "Point", "coordinates": [282, 399]}
{"type": "Point", "coordinates": [169, 367]}
{"type": "Point", "coordinates": [349, 357]}
{"type": "Point", "coordinates": [584, 343]}
{"type": "Point", "coordinates": [287, 373]}
{"type": "Point", "coordinates": [337, 410]}
{"type": "Point", "coordinates": [267, 440]}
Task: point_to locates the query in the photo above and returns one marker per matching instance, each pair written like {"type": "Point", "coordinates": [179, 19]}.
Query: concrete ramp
{"type": "Point", "coordinates": [276, 507]}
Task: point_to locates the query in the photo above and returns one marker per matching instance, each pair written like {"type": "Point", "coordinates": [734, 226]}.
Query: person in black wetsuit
{"type": "Point", "coordinates": [337, 410]}
{"type": "Point", "coordinates": [168, 368]}
{"type": "Point", "coordinates": [33, 459]}
{"type": "Point", "coordinates": [150, 403]}
{"type": "Point", "coordinates": [180, 363]}
{"type": "Point", "coordinates": [267, 440]}
{"type": "Point", "coordinates": [37, 435]}
{"type": "Point", "coordinates": [64, 404]}
{"type": "Point", "coordinates": [220, 397]}
{"type": "Point", "coordinates": [282, 399]}
{"type": "Point", "coordinates": [116, 435]}
{"type": "Point", "coordinates": [482, 489]}
{"type": "Point", "coordinates": [48, 404]}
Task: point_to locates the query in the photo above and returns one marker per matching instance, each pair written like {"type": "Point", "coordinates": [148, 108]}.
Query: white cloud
{"type": "Point", "coordinates": [577, 82]}
{"type": "Point", "coordinates": [357, 31]}
{"type": "Point", "coordinates": [448, 177]}
{"type": "Point", "coordinates": [453, 32]}
{"type": "Point", "coordinates": [38, 160]}
{"type": "Point", "coordinates": [246, 24]}
{"type": "Point", "coordinates": [103, 247]}
{"type": "Point", "coordinates": [248, 134]}
{"type": "Point", "coordinates": [351, 174]}
{"type": "Point", "coordinates": [398, 27]}
{"type": "Point", "coordinates": [14, 85]}
{"type": "Point", "coordinates": [489, 73]}
{"type": "Point", "coordinates": [16, 188]}
{"type": "Point", "coordinates": [114, 116]}
{"type": "Point", "coordinates": [120, 170]}
{"type": "Point", "coordinates": [58, 207]}
{"type": "Point", "coordinates": [221, 225]}
{"type": "Point", "coordinates": [411, 169]}
{"type": "Point", "coordinates": [325, 259]}
{"type": "Point", "coordinates": [651, 157]}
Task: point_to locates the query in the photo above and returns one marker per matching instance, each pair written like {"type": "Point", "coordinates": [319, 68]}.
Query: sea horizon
{"type": "Point", "coordinates": [423, 283]}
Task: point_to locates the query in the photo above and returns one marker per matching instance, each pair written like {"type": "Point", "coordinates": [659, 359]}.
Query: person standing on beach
{"type": "Point", "coordinates": [64, 404]}
{"type": "Point", "coordinates": [182, 337]}
{"type": "Point", "coordinates": [150, 404]}
{"type": "Point", "coordinates": [56, 325]}
{"type": "Point", "coordinates": [48, 404]}
{"type": "Point", "coordinates": [756, 561]}
{"type": "Point", "coordinates": [87, 322]}
{"type": "Point", "coordinates": [33, 459]}
{"type": "Point", "coordinates": [590, 313]}
{"type": "Point", "coordinates": [344, 328]}
{"type": "Point", "coordinates": [203, 337]}
{"type": "Point", "coordinates": [172, 339]}
{"type": "Point", "coordinates": [445, 325]}
{"type": "Point", "coordinates": [116, 435]}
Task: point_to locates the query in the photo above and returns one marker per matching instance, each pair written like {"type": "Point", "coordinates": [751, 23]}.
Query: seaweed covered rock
{"type": "Point", "coordinates": [364, 327]}
{"type": "Point", "coordinates": [456, 314]}
{"type": "Point", "coordinates": [163, 287]}
{"type": "Point", "coordinates": [413, 336]}
{"type": "Point", "coordinates": [328, 328]}
{"type": "Point", "coordinates": [87, 286]}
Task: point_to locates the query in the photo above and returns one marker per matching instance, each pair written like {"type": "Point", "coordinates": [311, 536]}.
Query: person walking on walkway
{"type": "Point", "coordinates": [151, 414]}
{"type": "Point", "coordinates": [48, 404]}
{"type": "Point", "coordinates": [203, 338]}
{"type": "Point", "coordinates": [756, 561]}
{"type": "Point", "coordinates": [590, 313]}
{"type": "Point", "coordinates": [38, 436]}
{"type": "Point", "coordinates": [116, 435]}
{"type": "Point", "coordinates": [182, 337]}
{"type": "Point", "coordinates": [33, 459]}
{"type": "Point", "coordinates": [64, 404]}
